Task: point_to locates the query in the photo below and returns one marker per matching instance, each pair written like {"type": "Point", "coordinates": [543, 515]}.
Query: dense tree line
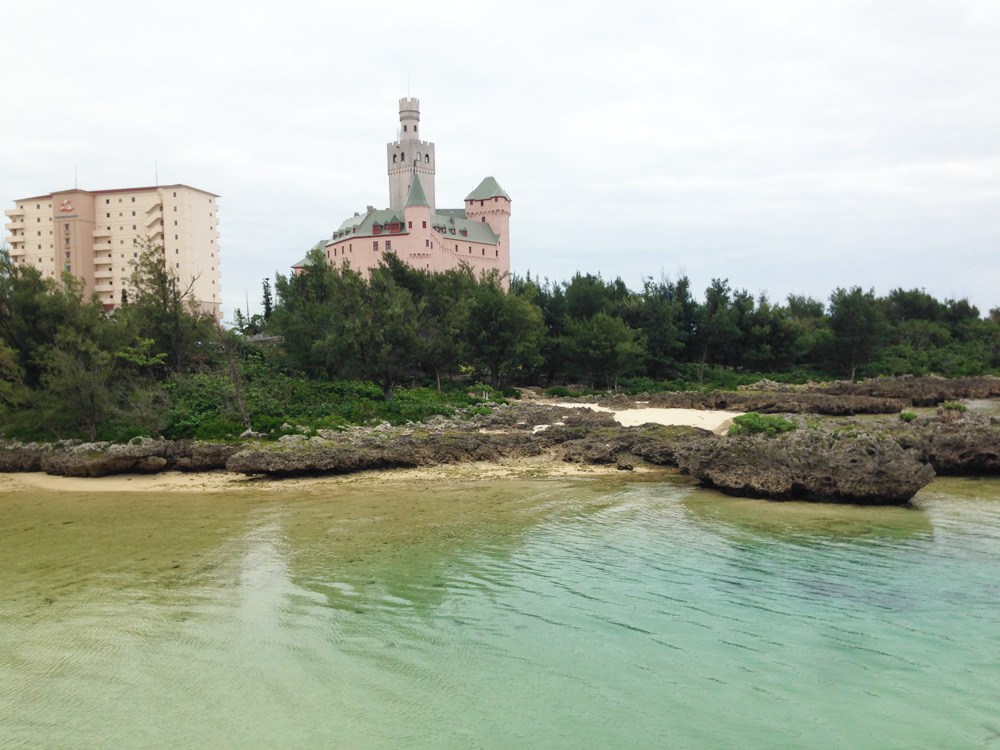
{"type": "Point", "coordinates": [332, 348]}
{"type": "Point", "coordinates": [405, 323]}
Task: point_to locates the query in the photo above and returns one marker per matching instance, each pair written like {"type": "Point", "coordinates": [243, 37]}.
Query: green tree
{"type": "Point", "coordinates": [607, 347]}
{"type": "Point", "coordinates": [504, 331]}
{"type": "Point", "coordinates": [857, 323]}
{"type": "Point", "coordinates": [162, 308]}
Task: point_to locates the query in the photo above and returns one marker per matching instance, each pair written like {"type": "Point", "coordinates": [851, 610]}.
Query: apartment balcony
{"type": "Point", "coordinates": [103, 273]}
{"type": "Point", "coordinates": [99, 232]}
{"type": "Point", "coordinates": [14, 213]}
{"type": "Point", "coordinates": [102, 260]}
{"type": "Point", "coordinates": [103, 288]}
{"type": "Point", "coordinates": [12, 225]}
{"type": "Point", "coordinates": [156, 232]}
{"type": "Point", "coordinates": [155, 209]}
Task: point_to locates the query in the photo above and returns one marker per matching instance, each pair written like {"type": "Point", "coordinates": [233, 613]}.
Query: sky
{"type": "Point", "coordinates": [788, 146]}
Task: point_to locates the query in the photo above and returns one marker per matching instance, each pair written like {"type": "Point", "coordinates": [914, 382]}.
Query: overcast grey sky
{"type": "Point", "coordinates": [789, 146]}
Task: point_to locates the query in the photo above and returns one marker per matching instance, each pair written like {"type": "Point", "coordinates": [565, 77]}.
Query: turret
{"type": "Point", "coordinates": [408, 156]}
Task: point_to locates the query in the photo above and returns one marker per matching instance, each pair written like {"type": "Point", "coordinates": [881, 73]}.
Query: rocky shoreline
{"type": "Point", "coordinates": [866, 459]}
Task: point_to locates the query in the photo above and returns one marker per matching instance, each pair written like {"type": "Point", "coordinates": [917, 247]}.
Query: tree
{"type": "Point", "coordinates": [504, 331]}
{"type": "Point", "coordinates": [267, 299]}
{"type": "Point", "coordinates": [857, 323]}
{"type": "Point", "coordinates": [607, 347]}
{"type": "Point", "coordinates": [717, 331]}
{"type": "Point", "coordinates": [162, 308]}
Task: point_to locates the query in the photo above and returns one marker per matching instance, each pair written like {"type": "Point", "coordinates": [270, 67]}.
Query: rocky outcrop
{"type": "Point", "coordinates": [359, 452]}
{"type": "Point", "coordinates": [17, 456]}
{"type": "Point", "coordinates": [955, 444]}
{"type": "Point", "coordinates": [917, 391]}
{"type": "Point", "coordinates": [138, 456]}
{"type": "Point", "coordinates": [809, 465]}
{"type": "Point", "coordinates": [768, 402]}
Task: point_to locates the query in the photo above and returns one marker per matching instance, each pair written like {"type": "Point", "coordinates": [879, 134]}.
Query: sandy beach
{"type": "Point", "coordinates": [716, 421]}
{"type": "Point", "coordinates": [223, 481]}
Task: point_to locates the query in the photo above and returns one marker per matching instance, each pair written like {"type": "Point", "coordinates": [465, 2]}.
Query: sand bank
{"type": "Point", "coordinates": [222, 481]}
{"type": "Point", "coordinates": [716, 421]}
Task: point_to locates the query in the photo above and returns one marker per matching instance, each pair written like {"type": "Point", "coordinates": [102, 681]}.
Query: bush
{"type": "Point", "coordinates": [955, 406]}
{"type": "Point", "coordinates": [907, 416]}
{"type": "Point", "coordinates": [753, 423]}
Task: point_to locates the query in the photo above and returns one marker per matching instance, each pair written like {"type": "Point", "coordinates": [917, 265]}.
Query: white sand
{"type": "Point", "coordinates": [221, 481]}
{"type": "Point", "coordinates": [716, 421]}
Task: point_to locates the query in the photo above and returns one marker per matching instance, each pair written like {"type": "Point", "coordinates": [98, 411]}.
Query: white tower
{"type": "Point", "coordinates": [408, 155]}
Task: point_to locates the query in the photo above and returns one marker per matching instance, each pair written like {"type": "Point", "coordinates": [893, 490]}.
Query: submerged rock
{"type": "Point", "coordinates": [809, 465]}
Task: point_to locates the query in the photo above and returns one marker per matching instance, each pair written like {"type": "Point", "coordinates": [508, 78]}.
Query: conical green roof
{"type": "Point", "coordinates": [416, 196]}
{"type": "Point", "coordinates": [488, 188]}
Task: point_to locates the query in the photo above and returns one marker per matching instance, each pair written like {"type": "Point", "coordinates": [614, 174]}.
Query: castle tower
{"type": "Point", "coordinates": [408, 156]}
{"type": "Point", "coordinates": [491, 204]}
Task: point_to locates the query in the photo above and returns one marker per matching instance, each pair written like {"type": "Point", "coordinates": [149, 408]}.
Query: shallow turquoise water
{"type": "Point", "coordinates": [569, 613]}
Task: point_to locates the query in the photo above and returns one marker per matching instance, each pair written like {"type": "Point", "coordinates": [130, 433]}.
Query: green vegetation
{"type": "Point", "coordinates": [907, 416]}
{"type": "Point", "coordinates": [753, 423]}
{"type": "Point", "coordinates": [336, 349]}
{"type": "Point", "coordinates": [954, 406]}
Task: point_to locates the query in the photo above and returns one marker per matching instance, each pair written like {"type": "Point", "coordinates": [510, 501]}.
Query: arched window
{"type": "Point", "coordinates": [394, 157]}
{"type": "Point", "coordinates": [427, 158]}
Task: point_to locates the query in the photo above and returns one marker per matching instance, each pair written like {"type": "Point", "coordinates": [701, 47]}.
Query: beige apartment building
{"type": "Point", "coordinates": [94, 234]}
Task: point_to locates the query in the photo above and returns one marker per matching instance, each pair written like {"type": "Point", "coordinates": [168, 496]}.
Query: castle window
{"type": "Point", "coordinates": [498, 253]}
{"type": "Point", "coordinates": [482, 218]}
{"type": "Point", "coordinates": [484, 251]}
{"type": "Point", "coordinates": [394, 157]}
{"type": "Point", "coordinates": [404, 128]}
{"type": "Point", "coordinates": [425, 224]}
{"type": "Point", "coordinates": [402, 156]}
{"type": "Point", "coordinates": [427, 158]}
{"type": "Point", "coordinates": [375, 246]}
{"type": "Point", "coordinates": [388, 246]}
{"type": "Point", "coordinates": [409, 225]}
{"type": "Point", "coordinates": [480, 203]}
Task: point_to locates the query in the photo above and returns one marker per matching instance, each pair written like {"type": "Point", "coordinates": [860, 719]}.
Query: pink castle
{"type": "Point", "coordinates": [422, 235]}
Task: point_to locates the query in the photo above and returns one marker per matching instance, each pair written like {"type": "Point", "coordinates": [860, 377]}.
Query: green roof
{"type": "Point", "coordinates": [488, 188]}
{"type": "Point", "coordinates": [416, 196]}
{"type": "Point", "coordinates": [321, 245]}
{"type": "Point", "coordinates": [476, 231]}
{"type": "Point", "coordinates": [362, 226]}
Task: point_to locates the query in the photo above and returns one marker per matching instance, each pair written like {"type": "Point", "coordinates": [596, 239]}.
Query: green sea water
{"type": "Point", "coordinates": [579, 613]}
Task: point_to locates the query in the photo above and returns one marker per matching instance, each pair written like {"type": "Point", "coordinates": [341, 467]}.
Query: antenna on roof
{"type": "Point", "coordinates": [76, 184]}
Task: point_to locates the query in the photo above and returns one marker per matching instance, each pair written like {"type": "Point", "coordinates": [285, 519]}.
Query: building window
{"type": "Point", "coordinates": [395, 157]}
{"type": "Point", "coordinates": [133, 199]}
{"type": "Point", "coordinates": [388, 246]}
{"type": "Point", "coordinates": [375, 246]}
{"type": "Point", "coordinates": [425, 224]}
{"type": "Point", "coordinates": [107, 200]}
{"type": "Point", "coordinates": [404, 128]}
{"type": "Point", "coordinates": [409, 225]}
{"type": "Point", "coordinates": [427, 158]}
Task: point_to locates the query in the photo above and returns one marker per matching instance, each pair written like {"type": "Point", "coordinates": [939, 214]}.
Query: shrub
{"type": "Point", "coordinates": [907, 416]}
{"type": "Point", "coordinates": [954, 406]}
{"type": "Point", "coordinates": [753, 423]}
